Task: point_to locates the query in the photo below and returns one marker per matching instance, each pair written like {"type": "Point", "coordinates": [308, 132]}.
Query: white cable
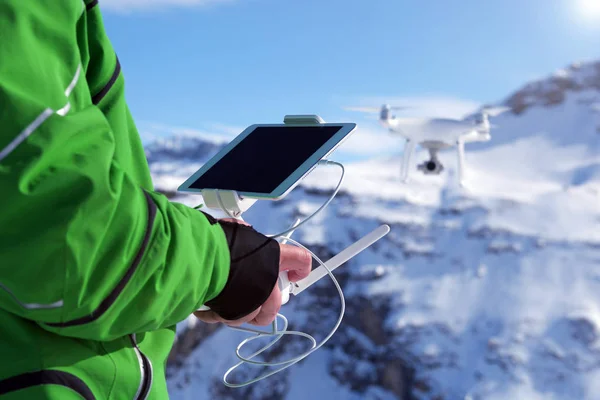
{"type": "Point", "coordinates": [293, 228]}
{"type": "Point", "coordinates": [277, 333]}
{"type": "Point", "coordinates": [336, 190]}
{"type": "Point", "coordinates": [220, 200]}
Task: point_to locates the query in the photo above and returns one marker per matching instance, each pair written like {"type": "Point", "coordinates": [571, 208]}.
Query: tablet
{"type": "Point", "coordinates": [266, 161]}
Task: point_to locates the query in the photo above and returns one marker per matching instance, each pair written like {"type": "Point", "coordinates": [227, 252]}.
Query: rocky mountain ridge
{"type": "Point", "coordinates": [484, 292]}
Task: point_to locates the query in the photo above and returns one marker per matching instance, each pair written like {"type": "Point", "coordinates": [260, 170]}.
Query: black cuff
{"type": "Point", "coordinates": [253, 272]}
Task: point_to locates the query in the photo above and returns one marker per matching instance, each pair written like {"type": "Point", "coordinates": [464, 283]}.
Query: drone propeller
{"type": "Point", "coordinates": [482, 117]}
{"type": "Point", "coordinates": [495, 111]}
{"type": "Point", "coordinates": [376, 110]}
{"type": "Point", "coordinates": [372, 110]}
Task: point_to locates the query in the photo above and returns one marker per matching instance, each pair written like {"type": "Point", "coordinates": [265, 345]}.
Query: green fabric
{"type": "Point", "coordinates": [74, 214]}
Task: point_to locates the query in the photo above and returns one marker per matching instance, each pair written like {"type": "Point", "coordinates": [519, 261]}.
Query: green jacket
{"type": "Point", "coordinates": [96, 268]}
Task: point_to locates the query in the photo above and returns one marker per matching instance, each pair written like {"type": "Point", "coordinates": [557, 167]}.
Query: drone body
{"type": "Point", "coordinates": [435, 134]}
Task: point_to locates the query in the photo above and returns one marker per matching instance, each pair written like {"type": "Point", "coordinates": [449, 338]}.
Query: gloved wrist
{"type": "Point", "coordinates": [253, 271]}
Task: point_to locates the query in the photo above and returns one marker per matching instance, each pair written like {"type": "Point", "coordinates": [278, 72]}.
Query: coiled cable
{"type": "Point", "coordinates": [278, 334]}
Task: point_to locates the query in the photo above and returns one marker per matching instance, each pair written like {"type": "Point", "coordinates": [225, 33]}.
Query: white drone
{"type": "Point", "coordinates": [435, 134]}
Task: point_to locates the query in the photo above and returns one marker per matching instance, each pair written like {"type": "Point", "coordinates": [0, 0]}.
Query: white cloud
{"type": "Point", "coordinates": [421, 106]}
{"type": "Point", "coordinates": [123, 6]}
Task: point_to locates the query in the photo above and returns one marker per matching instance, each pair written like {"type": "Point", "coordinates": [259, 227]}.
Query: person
{"type": "Point", "coordinates": [97, 268]}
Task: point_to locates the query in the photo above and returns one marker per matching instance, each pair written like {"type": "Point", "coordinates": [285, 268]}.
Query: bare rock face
{"type": "Point", "coordinates": [552, 91]}
{"type": "Point", "coordinates": [394, 378]}
{"type": "Point", "coordinates": [273, 389]}
{"type": "Point", "coordinates": [364, 356]}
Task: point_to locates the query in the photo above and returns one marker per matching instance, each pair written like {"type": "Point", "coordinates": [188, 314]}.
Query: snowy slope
{"type": "Point", "coordinates": [486, 292]}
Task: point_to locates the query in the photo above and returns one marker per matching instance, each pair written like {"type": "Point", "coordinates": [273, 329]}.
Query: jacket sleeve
{"type": "Point", "coordinates": [84, 251]}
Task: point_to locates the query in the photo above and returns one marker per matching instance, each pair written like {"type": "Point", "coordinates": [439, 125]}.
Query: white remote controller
{"type": "Point", "coordinates": [286, 287]}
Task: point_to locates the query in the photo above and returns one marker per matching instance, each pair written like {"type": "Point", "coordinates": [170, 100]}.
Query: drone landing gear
{"type": "Point", "coordinates": [409, 148]}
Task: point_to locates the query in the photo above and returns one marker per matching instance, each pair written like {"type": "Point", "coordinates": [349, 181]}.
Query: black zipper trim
{"type": "Point", "coordinates": [112, 297]}
{"type": "Point", "coordinates": [46, 377]}
{"type": "Point", "coordinates": [91, 5]}
{"type": "Point", "coordinates": [97, 98]}
{"type": "Point", "coordinates": [146, 371]}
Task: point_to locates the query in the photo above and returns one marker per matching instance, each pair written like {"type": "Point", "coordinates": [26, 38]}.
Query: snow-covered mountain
{"type": "Point", "coordinates": [486, 292]}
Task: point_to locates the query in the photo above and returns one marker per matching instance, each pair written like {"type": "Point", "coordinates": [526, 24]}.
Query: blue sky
{"type": "Point", "coordinates": [218, 66]}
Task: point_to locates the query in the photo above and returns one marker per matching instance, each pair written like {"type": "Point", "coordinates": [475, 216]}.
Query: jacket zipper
{"type": "Point", "coordinates": [146, 372]}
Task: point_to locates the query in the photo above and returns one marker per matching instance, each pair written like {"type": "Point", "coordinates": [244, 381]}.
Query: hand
{"type": "Point", "coordinates": [298, 263]}
{"type": "Point", "coordinates": [295, 260]}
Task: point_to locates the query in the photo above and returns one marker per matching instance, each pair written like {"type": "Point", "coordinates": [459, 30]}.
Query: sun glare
{"type": "Point", "coordinates": [590, 9]}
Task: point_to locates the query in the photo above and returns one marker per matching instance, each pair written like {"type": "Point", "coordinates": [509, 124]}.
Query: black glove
{"type": "Point", "coordinates": [253, 272]}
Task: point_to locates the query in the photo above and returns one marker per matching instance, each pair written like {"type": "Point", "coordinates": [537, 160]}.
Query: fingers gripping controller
{"type": "Point", "coordinates": [284, 284]}
{"type": "Point", "coordinates": [285, 287]}
{"type": "Point", "coordinates": [253, 271]}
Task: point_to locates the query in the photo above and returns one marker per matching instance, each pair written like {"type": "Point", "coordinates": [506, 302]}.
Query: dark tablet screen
{"type": "Point", "coordinates": [265, 158]}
